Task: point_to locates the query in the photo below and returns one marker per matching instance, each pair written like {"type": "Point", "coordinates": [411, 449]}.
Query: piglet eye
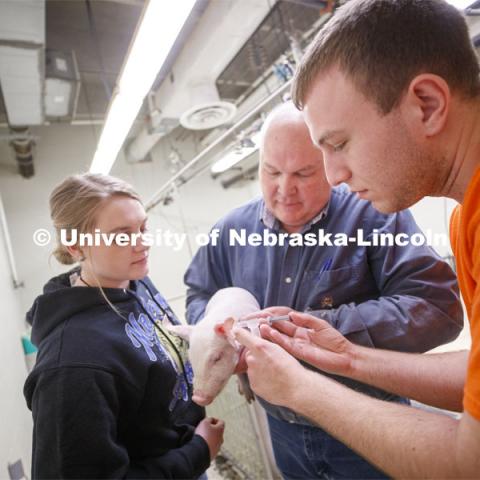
{"type": "Point", "coordinates": [217, 358]}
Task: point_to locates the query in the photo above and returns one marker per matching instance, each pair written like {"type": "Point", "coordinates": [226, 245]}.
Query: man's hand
{"type": "Point", "coordinates": [314, 341]}
{"type": "Point", "coordinates": [272, 372]}
{"type": "Point", "coordinates": [269, 312]}
{"type": "Point", "coordinates": [211, 430]}
{"type": "Point", "coordinates": [265, 313]}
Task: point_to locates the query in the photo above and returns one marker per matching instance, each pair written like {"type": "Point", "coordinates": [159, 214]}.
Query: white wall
{"type": "Point", "coordinates": [16, 423]}
{"type": "Point", "coordinates": [434, 214]}
{"type": "Point", "coordinates": [60, 151]}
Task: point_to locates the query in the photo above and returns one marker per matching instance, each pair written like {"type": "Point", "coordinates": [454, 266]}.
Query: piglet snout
{"type": "Point", "coordinates": [201, 398]}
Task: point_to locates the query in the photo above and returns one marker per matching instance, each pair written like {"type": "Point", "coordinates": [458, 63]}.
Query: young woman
{"type": "Point", "coordinates": [111, 390]}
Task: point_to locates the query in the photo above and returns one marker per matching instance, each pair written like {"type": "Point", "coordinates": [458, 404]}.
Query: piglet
{"type": "Point", "coordinates": [213, 351]}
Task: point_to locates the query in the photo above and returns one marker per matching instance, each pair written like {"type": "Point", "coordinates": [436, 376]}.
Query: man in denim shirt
{"type": "Point", "coordinates": [400, 298]}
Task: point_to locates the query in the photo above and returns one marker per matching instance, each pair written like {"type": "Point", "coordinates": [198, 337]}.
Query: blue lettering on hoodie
{"type": "Point", "coordinates": [142, 333]}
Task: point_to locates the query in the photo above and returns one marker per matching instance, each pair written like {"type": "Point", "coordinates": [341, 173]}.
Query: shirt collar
{"type": "Point", "coordinates": [270, 221]}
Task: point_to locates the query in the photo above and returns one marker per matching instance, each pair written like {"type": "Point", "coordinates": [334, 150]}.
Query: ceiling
{"type": "Point", "coordinates": [99, 33]}
{"type": "Point", "coordinates": [100, 42]}
{"type": "Point", "coordinates": [272, 38]}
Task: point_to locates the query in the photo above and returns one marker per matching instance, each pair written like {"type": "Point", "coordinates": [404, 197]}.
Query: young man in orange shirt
{"type": "Point", "coordinates": [390, 91]}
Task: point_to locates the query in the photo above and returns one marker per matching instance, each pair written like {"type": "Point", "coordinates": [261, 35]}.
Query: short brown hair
{"type": "Point", "coordinates": [381, 45]}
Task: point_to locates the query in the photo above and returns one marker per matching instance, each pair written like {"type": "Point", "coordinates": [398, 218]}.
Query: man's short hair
{"type": "Point", "coordinates": [381, 45]}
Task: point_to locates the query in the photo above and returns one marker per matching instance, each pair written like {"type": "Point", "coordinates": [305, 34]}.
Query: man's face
{"type": "Point", "coordinates": [380, 157]}
{"type": "Point", "coordinates": [292, 174]}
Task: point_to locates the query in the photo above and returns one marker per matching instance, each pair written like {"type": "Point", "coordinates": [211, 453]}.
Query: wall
{"type": "Point", "coordinates": [15, 432]}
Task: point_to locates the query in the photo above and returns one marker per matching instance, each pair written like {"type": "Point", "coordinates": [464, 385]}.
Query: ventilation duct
{"type": "Point", "coordinates": [22, 58]}
{"type": "Point", "coordinates": [62, 84]}
{"type": "Point", "coordinates": [188, 94]}
{"type": "Point", "coordinates": [22, 42]}
{"type": "Point", "coordinates": [207, 111]}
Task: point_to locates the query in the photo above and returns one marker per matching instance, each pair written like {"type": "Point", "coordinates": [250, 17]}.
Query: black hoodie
{"type": "Point", "coordinates": [110, 397]}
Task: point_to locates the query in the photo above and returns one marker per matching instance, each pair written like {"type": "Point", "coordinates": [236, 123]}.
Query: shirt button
{"type": "Point", "coordinates": [288, 280]}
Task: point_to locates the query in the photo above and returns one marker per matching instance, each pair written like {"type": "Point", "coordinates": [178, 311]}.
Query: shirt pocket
{"type": "Point", "coordinates": [333, 288]}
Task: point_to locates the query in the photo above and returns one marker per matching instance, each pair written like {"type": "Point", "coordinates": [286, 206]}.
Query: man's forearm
{"type": "Point", "coordinates": [402, 441]}
{"type": "Point", "coordinates": [434, 379]}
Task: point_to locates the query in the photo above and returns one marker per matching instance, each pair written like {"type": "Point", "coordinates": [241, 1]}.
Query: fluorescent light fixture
{"type": "Point", "coordinates": [160, 25]}
{"type": "Point", "coordinates": [232, 158]}
{"type": "Point", "coordinates": [237, 154]}
{"type": "Point", "coordinates": [460, 4]}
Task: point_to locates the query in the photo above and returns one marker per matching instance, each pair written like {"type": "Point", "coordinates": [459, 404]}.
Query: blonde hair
{"type": "Point", "coordinates": [74, 205]}
{"type": "Point", "coordinates": [75, 202]}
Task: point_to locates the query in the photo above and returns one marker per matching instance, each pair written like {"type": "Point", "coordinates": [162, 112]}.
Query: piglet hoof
{"type": "Point", "coordinates": [244, 387]}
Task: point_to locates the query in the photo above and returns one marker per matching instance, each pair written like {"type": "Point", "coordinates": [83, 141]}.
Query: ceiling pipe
{"type": "Point", "coordinates": [158, 196]}
{"type": "Point", "coordinates": [22, 145]}
{"type": "Point", "coordinates": [8, 246]}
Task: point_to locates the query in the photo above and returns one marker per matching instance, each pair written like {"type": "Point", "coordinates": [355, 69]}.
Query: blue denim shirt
{"type": "Point", "coordinates": [391, 297]}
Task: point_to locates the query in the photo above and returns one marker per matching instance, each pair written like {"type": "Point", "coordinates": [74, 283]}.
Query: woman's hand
{"type": "Point", "coordinates": [211, 430]}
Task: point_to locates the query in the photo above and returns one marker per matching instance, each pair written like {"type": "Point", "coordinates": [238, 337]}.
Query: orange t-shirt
{"type": "Point", "coordinates": [465, 238]}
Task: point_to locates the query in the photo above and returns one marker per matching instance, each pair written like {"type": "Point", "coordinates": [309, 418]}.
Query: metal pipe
{"type": "Point", "coordinates": [8, 246]}
{"type": "Point", "coordinates": [74, 123]}
{"type": "Point", "coordinates": [23, 148]}
{"type": "Point", "coordinates": [157, 197]}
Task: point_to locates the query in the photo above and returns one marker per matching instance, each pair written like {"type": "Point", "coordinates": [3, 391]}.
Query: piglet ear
{"type": "Point", "coordinates": [225, 330]}
{"type": "Point", "coordinates": [228, 326]}
{"type": "Point", "coordinates": [219, 329]}
{"type": "Point", "coordinates": [183, 331]}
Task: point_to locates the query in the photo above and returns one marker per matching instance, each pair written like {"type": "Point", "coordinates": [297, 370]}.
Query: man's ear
{"type": "Point", "coordinates": [428, 100]}
{"type": "Point", "coordinates": [183, 331]}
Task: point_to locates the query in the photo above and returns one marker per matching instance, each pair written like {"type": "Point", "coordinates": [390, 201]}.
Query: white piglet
{"type": "Point", "coordinates": [213, 351]}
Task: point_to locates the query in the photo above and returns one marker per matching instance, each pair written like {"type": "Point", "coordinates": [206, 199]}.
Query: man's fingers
{"type": "Point", "coordinates": [275, 336]}
{"type": "Point", "coordinates": [286, 327]}
{"type": "Point", "coordinates": [309, 321]}
{"type": "Point", "coordinates": [246, 338]}
{"type": "Point", "coordinates": [268, 312]}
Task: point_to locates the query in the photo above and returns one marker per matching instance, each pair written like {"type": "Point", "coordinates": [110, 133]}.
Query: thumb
{"type": "Point", "coordinates": [246, 338]}
{"type": "Point", "coordinates": [257, 314]}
